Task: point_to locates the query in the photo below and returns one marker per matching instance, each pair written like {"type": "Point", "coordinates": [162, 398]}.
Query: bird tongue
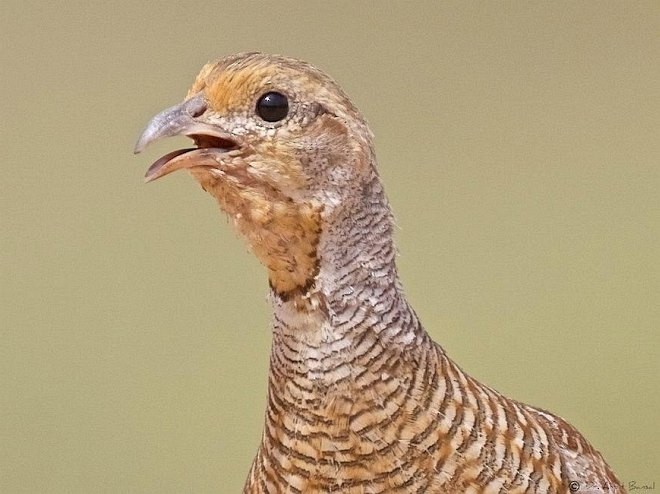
{"type": "Point", "coordinates": [161, 162]}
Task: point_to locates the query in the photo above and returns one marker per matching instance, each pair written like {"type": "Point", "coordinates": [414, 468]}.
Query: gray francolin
{"type": "Point", "coordinates": [360, 399]}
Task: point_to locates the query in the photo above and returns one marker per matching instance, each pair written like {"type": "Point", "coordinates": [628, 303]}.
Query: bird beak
{"type": "Point", "coordinates": [185, 119]}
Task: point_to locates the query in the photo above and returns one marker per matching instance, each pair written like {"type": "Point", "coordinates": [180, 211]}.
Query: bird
{"type": "Point", "coordinates": [360, 398]}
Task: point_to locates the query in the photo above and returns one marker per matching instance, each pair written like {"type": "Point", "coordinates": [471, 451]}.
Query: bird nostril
{"type": "Point", "coordinates": [196, 107]}
{"type": "Point", "coordinates": [197, 112]}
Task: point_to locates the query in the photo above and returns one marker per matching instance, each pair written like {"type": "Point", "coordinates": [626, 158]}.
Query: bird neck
{"type": "Point", "coordinates": [348, 359]}
{"type": "Point", "coordinates": [345, 357]}
{"type": "Point", "coordinates": [355, 300]}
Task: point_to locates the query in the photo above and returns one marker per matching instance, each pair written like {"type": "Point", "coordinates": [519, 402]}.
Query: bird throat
{"type": "Point", "coordinates": [284, 234]}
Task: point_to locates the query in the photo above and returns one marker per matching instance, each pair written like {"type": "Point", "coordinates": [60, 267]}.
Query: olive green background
{"type": "Point", "coordinates": [520, 146]}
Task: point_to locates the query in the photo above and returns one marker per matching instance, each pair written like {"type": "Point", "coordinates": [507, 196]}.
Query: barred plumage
{"type": "Point", "coordinates": [360, 399]}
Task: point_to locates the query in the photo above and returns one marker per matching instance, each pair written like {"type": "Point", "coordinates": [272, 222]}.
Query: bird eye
{"type": "Point", "coordinates": [273, 107]}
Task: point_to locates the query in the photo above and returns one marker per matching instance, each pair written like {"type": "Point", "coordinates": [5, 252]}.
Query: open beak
{"type": "Point", "coordinates": [183, 119]}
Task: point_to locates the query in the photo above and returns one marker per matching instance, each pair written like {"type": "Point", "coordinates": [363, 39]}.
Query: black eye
{"type": "Point", "coordinates": [273, 107]}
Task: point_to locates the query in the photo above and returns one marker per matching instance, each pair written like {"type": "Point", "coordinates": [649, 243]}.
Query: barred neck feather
{"type": "Point", "coordinates": [360, 398]}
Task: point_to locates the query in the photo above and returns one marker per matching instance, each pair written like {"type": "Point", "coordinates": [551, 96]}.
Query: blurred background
{"type": "Point", "coordinates": [520, 146]}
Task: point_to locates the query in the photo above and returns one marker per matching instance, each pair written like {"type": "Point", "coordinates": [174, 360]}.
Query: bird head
{"type": "Point", "coordinates": [281, 148]}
